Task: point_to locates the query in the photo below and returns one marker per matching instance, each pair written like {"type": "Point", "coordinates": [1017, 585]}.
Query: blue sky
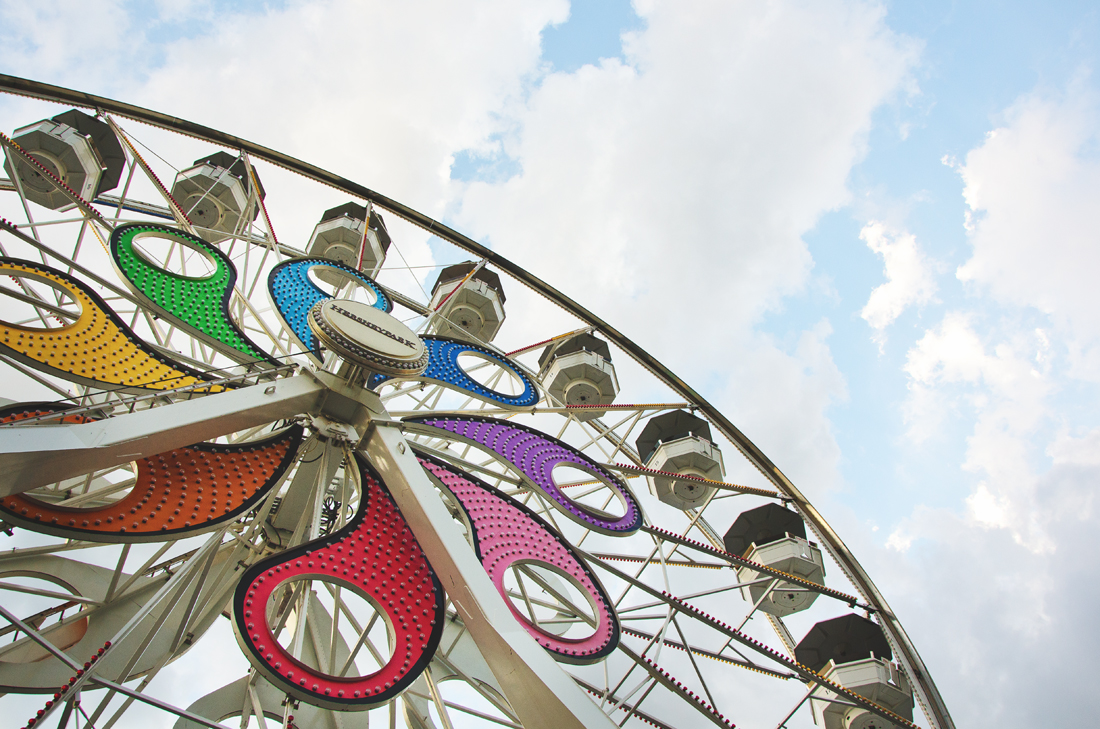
{"type": "Point", "coordinates": [876, 220]}
{"type": "Point", "coordinates": [592, 32]}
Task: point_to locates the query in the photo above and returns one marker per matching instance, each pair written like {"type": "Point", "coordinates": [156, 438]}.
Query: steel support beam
{"type": "Point", "coordinates": [540, 692]}
{"type": "Point", "coordinates": [37, 455]}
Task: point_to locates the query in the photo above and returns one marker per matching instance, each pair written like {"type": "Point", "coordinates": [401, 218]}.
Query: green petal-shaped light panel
{"type": "Point", "coordinates": [198, 304]}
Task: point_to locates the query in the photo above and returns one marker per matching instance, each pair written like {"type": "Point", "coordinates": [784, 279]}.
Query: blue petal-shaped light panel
{"type": "Point", "coordinates": [443, 368]}
{"type": "Point", "coordinates": [293, 293]}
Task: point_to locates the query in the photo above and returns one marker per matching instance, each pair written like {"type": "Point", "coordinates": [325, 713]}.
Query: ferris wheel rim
{"type": "Point", "coordinates": [933, 703]}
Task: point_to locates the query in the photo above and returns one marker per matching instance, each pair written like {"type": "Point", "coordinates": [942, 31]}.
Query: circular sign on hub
{"type": "Point", "coordinates": [369, 337]}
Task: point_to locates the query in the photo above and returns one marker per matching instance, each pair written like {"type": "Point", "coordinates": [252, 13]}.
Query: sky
{"type": "Point", "coordinates": [861, 229]}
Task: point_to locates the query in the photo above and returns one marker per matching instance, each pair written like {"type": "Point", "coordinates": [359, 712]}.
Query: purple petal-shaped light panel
{"type": "Point", "coordinates": [535, 455]}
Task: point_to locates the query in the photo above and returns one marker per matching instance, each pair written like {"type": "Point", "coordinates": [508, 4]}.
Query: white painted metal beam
{"type": "Point", "coordinates": [37, 455]}
{"type": "Point", "coordinates": [540, 692]}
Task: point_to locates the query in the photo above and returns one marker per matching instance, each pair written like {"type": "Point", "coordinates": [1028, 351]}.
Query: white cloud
{"type": "Point", "coordinates": [997, 584]}
{"type": "Point", "coordinates": [383, 93]}
{"type": "Point", "coordinates": [699, 164]}
{"type": "Point", "coordinates": [908, 272]}
{"type": "Point", "coordinates": [1066, 449]}
{"type": "Point", "coordinates": [1032, 188]}
{"type": "Point", "coordinates": [952, 352]}
{"type": "Point", "coordinates": [803, 382]}
{"type": "Point", "coordinates": [51, 41]}
{"type": "Point", "coordinates": [669, 193]}
{"type": "Point", "coordinates": [1012, 567]}
{"type": "Point", "coordinates": [1002, 627]}
{"type": "Point", "coordinates": [999, 386]}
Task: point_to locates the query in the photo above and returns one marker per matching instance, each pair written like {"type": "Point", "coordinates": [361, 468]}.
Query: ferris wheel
{"type": "Point", "coordinates": [338, 481]}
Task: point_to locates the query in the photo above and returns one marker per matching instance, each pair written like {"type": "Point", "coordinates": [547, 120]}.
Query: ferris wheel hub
{"type": "Point", "coordinates": [368, 337]}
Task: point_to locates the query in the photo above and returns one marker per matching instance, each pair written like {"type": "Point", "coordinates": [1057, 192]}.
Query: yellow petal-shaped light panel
{"type": "Point", "coordinates": [97, 348]}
